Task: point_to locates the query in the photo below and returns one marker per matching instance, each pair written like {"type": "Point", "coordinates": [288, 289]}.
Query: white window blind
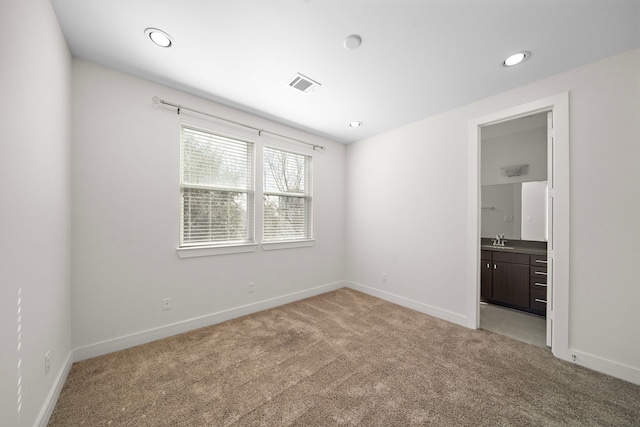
{"type": "Point", "coordinates": [216, 186]}
{"type": "Point", "coordinates": [287, 195]}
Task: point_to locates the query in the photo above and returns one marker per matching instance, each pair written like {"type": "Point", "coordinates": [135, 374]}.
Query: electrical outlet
{"type": "Point", "coordinates": [166, 304]}
{"type": "Point", "coordinates": [251, 287]}
{"type": "Point", "coordinates": [47, 362]}
{"type": "Point", "coordinates": [384, 277]}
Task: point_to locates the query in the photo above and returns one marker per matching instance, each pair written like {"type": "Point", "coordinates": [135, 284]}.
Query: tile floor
{"type": "Point", "coordinates": [516, 324]}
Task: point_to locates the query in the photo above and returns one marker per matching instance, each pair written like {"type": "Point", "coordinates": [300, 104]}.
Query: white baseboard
{"type": "Point", "coordinates": [412, 304]}
{"type": "Point", "coordinates": [143, 337]}
{"type": "Point", "coordinates": [615, 369]}
{"type": "Point", "coordinates": [54, 393]}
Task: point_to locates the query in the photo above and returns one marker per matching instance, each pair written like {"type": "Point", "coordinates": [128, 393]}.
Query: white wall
{"type": "Point", "coordinates": [406, 212]}
{"type": "Point", "coordinates": [125, 186]}
{"type": "Point", "coordinates": [423, 249]}
{"type": "Point", "coordinates": [35, 81]}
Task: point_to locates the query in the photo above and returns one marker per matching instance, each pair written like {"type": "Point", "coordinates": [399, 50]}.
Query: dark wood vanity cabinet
{"type": "Point", "coordinates": [486, 277]}
{"type": "Point", "coordinates": [538, 284]}
{"type": "Point", "coordinates": [513, 279]}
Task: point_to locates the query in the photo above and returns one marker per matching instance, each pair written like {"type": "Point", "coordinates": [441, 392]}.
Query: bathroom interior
{"type": "Point", "coordinates": [514, 228]}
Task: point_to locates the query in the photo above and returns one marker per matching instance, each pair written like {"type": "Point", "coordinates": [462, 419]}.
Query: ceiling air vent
{"type": "Point", "coordinates": [303, 83]}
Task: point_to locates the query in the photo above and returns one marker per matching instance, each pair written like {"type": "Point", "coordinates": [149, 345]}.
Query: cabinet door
{"type": "Point", "coordinates": [511, 284]}
{"type": "Point", "coordinates": [486, 291]}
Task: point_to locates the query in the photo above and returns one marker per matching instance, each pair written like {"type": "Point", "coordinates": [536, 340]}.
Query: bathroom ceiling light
{"type": "Point", "coordinates": [159, 37]}
{"type": "Point", "coordinates": [516, 58]}
{"type": "Point", "coordinates": [514, 170]}
{"type": "Point", "coordinates": [355, 124]}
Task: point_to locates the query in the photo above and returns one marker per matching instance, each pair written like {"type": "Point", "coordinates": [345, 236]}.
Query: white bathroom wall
{"type": "Point", "coordinates": [524, 148]}
{"type": "Point", "coordinates": [516, 144]}
{"type": "Point", "coordinates": [126, 195]}
{"type": "Point", "coordinates": [407, 202]}
{"type": "Point", "coordinates": [35, 83]}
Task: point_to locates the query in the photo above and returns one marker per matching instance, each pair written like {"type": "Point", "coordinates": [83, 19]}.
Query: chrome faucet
{"type": "Point", "coordinates": [499, 240]}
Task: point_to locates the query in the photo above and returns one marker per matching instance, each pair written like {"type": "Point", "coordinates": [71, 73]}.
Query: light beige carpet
{"type": "Point", "coordinates": [342, 358]}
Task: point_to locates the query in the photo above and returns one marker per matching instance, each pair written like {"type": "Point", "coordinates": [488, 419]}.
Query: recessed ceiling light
{"type": "Point", "coordinates": [355, 124]}
{"type": "Point", "coordinates": [516, 58]}
{"type": "Point", "coordinates": [159, 37]}
{"type": "Point", "coordinates": [353, 41]}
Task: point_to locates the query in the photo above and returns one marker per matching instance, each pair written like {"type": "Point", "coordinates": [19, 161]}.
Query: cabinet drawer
{"type": "Point", "coordinates": [538, 300]}
{"type": "Point", "coordinates": [539, 260]}
{"type": "Point", "coordinates": [484, 254]}
{"type": "Point", "coordinates": [511, 257]}
{"type": "Point", "coordinates": [538, 282]}
{"type": "Point", "coordinates": [538, 272]}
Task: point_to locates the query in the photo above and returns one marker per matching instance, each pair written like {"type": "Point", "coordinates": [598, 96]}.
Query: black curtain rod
{"type": "Point", "coordinates": [179, 107]}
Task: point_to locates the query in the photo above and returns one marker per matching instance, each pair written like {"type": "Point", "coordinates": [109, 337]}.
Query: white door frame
{"type": "Point", "coordinates": [558, 251]}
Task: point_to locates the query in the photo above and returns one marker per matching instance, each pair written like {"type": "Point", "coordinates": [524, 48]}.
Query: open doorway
{"type": "Point", "coordinates": [558, 214]}
{"type": "Point", "coordinates": [514, 228]}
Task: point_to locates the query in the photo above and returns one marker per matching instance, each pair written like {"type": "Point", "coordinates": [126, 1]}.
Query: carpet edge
{"type": "Point", "coordinates": [449, 316]}
{"type": "Point", "coordinates": [143, 337]}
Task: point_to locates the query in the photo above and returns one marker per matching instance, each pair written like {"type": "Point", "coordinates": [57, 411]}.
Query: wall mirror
{"type": "Point", "coordinates": [517, 210]}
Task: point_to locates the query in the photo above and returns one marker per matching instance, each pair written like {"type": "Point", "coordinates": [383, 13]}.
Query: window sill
{"type": "Point", "coordinates": [199, 251]}
{"type": "Point", "coordinates": [289, 244]}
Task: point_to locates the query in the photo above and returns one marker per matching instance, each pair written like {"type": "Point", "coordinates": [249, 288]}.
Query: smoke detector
{"type": "Point", "coordinates": [352, 42]}
{"type": "Point", "coordinates": [303, 83]}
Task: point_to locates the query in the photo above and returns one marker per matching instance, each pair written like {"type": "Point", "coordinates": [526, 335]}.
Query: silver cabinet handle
{"type": "Point", "coordinates": [540, 272]}
{"type": "Point", "coordinates": [540, 300]}
{"type": "Point", "coordinates": [540, 284]}
{"type": "Point", "coordinates": [541, 262]}
{"type": "Point", "coordinates": [488, 266]}
{"type": "Point", "coordinates": [495, 266]}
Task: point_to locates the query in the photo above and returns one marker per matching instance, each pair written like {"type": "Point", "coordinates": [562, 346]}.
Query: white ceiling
{"type": "Point", "coordinates": [417, 58]}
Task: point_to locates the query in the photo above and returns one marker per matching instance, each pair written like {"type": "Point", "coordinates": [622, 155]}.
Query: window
{"type": "Point", "coordinates": [287, 195]}
{"type": "Point", "coordinates": [216, 188]}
